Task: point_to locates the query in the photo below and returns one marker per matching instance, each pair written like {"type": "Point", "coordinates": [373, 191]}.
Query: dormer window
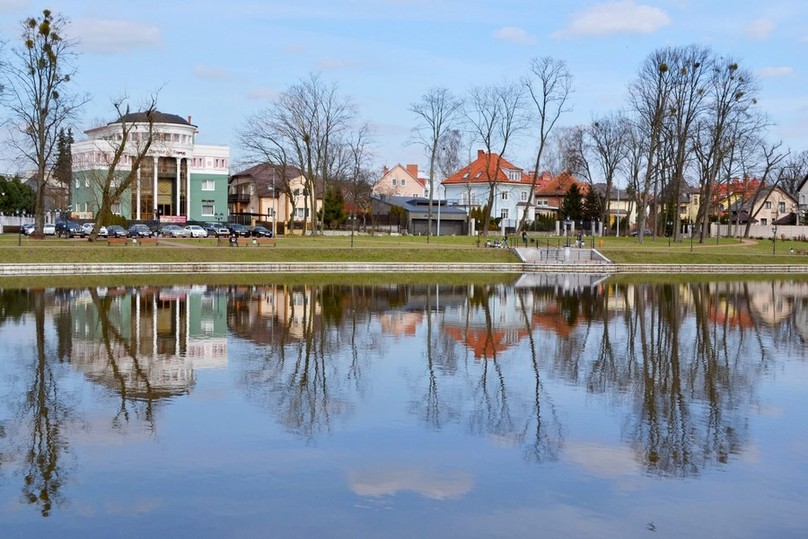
{"type": "Point", "coordinates": [514, 175]}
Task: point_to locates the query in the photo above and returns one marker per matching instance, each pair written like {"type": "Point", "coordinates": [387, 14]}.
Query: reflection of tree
{"type": "Point", "coordinates": [113, 340]}
{"type": "Point", "coordinates": [547, 439]}
{"type": "Point", "coordinates": [688, 414]}
{"type": "Point", "coordinates": [45, 406]}
{"type": "Point", "coordinates": [14, 304]}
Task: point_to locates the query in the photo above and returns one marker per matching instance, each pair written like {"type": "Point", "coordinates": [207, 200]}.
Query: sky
{"type": "Point", "coordinates": [220, 62]}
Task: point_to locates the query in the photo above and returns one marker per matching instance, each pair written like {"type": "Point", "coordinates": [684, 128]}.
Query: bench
{"type": "Point", "coordinates": [133, 241]}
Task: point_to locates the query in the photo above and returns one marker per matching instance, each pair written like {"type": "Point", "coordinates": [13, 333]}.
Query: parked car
{"type": "Point", "coordinates": [139, 231]}
{"type": "Point", "coordinates": [238, 229]}
{"type": "Point", "coordinates": [195, 231]}
{"type": "Point", "coordinates": [646, 232]}
{"type": "Point", "coordinates": [68, 229]}
{"type": "Point", "coordinates": [87, 228]}
{"type": "Point", "coordinates": [261, 232]}
{"type": "Point", "coordinates": [116, 231]}
{"type": "Point", "coordinates": [216, 229]}
{"type": "Point", "coordinates": [172, 231]}
{"type": "Point", "coordinates": [27, 228]}
{"type": "Point", "coordinates": [49, 229]}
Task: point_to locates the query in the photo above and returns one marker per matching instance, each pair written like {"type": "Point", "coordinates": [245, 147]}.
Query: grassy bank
{"type": "Point", "coordinates": [459, 249]}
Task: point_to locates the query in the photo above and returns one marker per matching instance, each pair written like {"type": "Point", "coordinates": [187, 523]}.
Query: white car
{"type": "Point", "coordinates": [49, 229]}
{"type": "Point", "coordinates": [194, 231]}
{"type": "Point", "coordinates": [87, 228]}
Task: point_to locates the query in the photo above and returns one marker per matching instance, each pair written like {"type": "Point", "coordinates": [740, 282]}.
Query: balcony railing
{"type": "Point", "coordinates": [238, 198]}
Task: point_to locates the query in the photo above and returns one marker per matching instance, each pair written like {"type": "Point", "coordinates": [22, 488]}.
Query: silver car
{"type": "Point", "coordinates": [87, 229]}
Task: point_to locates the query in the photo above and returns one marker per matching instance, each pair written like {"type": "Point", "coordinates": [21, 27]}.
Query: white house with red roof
{"type": "Point", "coordinates": [469, 187]}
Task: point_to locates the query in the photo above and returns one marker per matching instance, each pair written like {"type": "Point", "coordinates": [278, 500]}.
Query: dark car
{"type": "Point", "coordinates": [116, 231]}
{"type": "Point", "coordinates": [261, 232]}
{"type": "Point", "coordinates": [646, 232]}
{"type": "Point", "coordinates": [68, 229]}
{"type": "Point", "coordinates": [139, 231]}
{"type": "Point", "coordinates": [238, 229]}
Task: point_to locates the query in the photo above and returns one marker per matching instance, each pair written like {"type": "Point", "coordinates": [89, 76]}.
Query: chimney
{"type": "Point", "coordinates": [413, 171]}
{"type": "Point", "coordinates": [189, 119]}
{"type": "Point", "coordinates": [480, 154]}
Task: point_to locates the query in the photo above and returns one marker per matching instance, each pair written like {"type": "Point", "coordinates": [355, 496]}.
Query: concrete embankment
{"type": "Point", "coordinates": [363, 267]}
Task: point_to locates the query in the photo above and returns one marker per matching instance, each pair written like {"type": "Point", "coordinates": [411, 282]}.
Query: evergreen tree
{"type": "Point", "coordinates": [572, 207]}
{"type": "Point", "coordinates": [333, 212]}
{"type": "Point", "coordinates": [63, 168]}
{"type": "Point", "coordinates": [593, 205]}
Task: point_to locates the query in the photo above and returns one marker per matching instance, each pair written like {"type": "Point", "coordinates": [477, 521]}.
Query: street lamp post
{"type": "Point", "coordinates": [774, 237]}
{"type": "Point", "coordinates": [670, 232]}
{"type": "Point", "coordinates": [567, 227]}
{"type": "Point", "coordinates": [20, 213]}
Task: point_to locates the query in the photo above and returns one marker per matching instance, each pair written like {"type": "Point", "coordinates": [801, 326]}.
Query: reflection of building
{"type": "Point", "coordinates": [177, 178]}
{"type": "Point", "coordinates": [148, 343]}
{"type": "Point", "coordinates": [255, 311]}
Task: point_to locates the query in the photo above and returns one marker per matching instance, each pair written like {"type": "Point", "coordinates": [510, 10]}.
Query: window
{"type": "Point", "coordinates": [116, 208]}
{"type": "Point", "coordinates": [394, 182]}
{"type": "Point", "coordinates": [503, 213]}
{"type": "Point", "coordinates": [208, 210]}
{"type": "Point", "coordinates": [403, 181]}
{"type": "Point", "coordinates": [208, 185]}
{"type": "Point", "coordinates": [514, 175]}
{"type": "Point", "coordinates": [86, 181]}
{"type": "Point", "coordinates": [76, 183]}
{"type": "Point", "coordinates": [767, 205]}
{"type": "Point", "coordinates": [301, 213]}
{"type": "Point", "coordinates": [524, 196]}
{"type": "Point", "coordinates": [781, 207]}
{"type": "Point", "coordinates": [504, 195]}
{"type": "Point", "coordinates": [764, 221]}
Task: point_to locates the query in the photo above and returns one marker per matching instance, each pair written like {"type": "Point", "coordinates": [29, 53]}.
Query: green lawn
{"type": "Point", "coordinates": [460, 249]}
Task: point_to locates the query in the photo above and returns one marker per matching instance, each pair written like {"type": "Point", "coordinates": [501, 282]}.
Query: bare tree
{"type": "Point", "coordinates": [495, 116]}
{"type": "Point", "coordinates": [549, 85]}
{"type": "Point", "coordinates": [650, 95]}
{"type": "Point", "coordinates": [305, 127]}
{"type": "Point", "coordinates": [123, 156]}
{"type": "Point", "coordinates": [360, 174]}
{"type": "Point", "coordinates": [37, 82]}
{"type": "Point", "coordinates": [608, 137]}
{"type": "Point", "coordinates": [436, 113]}
{"type": "Point", "coordinates": [772, 157]}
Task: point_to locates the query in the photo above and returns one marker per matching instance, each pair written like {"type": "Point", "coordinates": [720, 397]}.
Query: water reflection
{"type": "Point", "coordinates": [678, 363]}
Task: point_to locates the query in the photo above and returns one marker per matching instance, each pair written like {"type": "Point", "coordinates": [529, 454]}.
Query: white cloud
{"type": "Point", "coordinates": [114, 36]}
{"type": "Point", "coordinates": [331, 64]}
{"type": "Point", "coordinates": [602, 460]}
{"type": "Point", "coordinates": [263, 94]}
{"type": "Point", "coordinates": [775, 71]}
{"type": "Point", "coordinates": [213, 73]}
{"type": "Point", "coordinates": [514, 34]}
{"type": "Point", "coordinates": [759, 29]}
{"type": "Point", "coordinates": [620, 17]}
{"type": "Point", "coordinates": [11, 6]}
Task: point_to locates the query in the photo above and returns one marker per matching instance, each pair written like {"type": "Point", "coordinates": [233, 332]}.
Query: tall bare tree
{"type": "Point", "coordinates": [37, 93]}
{"type": "Point", "coordinates": [495, 115]}
{"type": "Point", "coordinates": [608, 137]}
{"type": "Point", "coordinates": [548, 84]}
{"type": "Point", "coordinates": [305, 127]}
{"type": "Point", "coordinates": [123, 156]}
{"type": "Point", "coordinates": [437, 112]}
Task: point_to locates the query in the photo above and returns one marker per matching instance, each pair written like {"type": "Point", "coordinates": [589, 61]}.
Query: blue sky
{"type": "Point", "coordinates": [219, 61]}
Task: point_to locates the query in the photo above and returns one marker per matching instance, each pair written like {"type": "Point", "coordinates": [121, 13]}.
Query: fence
{"type": "Point", "coordinates": [789, 232]}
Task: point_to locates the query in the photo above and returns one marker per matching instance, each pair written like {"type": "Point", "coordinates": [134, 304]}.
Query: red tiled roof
{"type": "Point", "coordinates": [475, 172]}
{"type": "Point", "coordinates": [560, 185]}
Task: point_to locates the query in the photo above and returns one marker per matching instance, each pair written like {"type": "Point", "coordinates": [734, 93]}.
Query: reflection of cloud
{"type": "Point", "coordinates": [115, 36]}
{"type": "Point", "coordinates": [139, 507]}
{"type": "Point", "coordinates": [620, 17]}
{"type": "Point", "coordinates": [515, 35]}
{"type": "Point", "coordinates": [427, 483]}
{"type": "Point", "coordinates": [601, 460]}
{"type": "Point", "coordinates": [759, 29]}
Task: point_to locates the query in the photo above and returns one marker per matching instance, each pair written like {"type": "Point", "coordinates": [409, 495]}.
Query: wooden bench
{"type": "Point", "coordinates": [133, 241]}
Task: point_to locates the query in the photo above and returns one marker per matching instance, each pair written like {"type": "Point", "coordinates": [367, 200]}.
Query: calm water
{"type": "Point", "coordinates": [551, 407]}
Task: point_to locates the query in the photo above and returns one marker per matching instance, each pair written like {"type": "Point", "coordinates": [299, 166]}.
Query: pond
{"type": "Point", "coordinates": [556, 406]}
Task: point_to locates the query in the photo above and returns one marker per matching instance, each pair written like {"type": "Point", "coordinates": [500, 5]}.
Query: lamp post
{"type": "Point", "coordinates": [774, 237]}
{"type": "Point", "coordinates": [567, 227]}
{"type": "Point", "coordinates": [20, 213]}
{"type": "Point", "coordinates": [670, 232]}
{"type": "Point", "coordinates": [593, 231]}
{"type": "Point", "coordinates": [690, 228]}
